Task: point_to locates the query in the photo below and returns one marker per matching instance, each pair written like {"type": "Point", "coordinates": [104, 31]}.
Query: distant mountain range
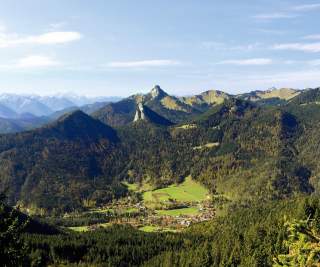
{"type": "Point", "coordinates": [13, 106]}
{"type": "Point", "coordinates": [24, 112]}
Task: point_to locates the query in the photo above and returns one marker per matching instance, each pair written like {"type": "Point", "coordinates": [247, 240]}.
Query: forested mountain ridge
{"type": "Point", "coordinates": [238, 149]}
{"type": "Point", "coordinates": [282, 93]}
{"type": "Point", "coordinates": [59, 165]}
{"type": "Point", "coordinates": [310, 96]}
{"type": "Point", "coordinates": [206, 99]}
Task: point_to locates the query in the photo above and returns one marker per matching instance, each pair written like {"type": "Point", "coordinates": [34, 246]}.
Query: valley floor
{"type": "Point", "coordinates": [167, 209]}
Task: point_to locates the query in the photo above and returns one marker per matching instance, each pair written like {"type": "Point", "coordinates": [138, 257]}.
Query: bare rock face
{"type": "Point", "coordinates": [144, 113]}
{"type": "Point", "coordinates": [139, 113]}
{"type": "Point", "coordinates": [156, 91]}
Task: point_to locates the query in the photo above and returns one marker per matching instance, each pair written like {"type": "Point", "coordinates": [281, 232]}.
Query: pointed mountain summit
{"type": "Point", "coordinates": [143, 113]}
{"type": "Point", "coordinates": [123, 112]}
{"type": "Point", "coordinates": [156, 91]}
{"type": "Point", "coordinates": [168, 106]}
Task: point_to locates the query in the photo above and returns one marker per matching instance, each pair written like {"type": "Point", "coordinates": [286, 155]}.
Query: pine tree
{"type": "Point", "coordinates": [12, 248]}
{"type": "Point", "coordinates": [303, 245]}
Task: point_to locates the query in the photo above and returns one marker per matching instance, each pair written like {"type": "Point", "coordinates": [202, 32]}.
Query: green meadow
{"type": "Point", "coordinates": [151, 228]}
{"type": "Point", "coordinates": [188, 191]}
{"type": "Point", "coordinates": [79, 228]}
{"type": "Point", "coordinates": [179, 212]}
{"type": "Point", "coordinates": [86, 228]}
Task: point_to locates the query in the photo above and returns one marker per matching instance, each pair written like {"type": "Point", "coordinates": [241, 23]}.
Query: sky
{"type": "Point", "coordinates": [121, 47]}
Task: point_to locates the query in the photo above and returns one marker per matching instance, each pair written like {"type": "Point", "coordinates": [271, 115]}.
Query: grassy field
{"type": "Point", "coordinates": [126, 210]}
{"type": "Point", "coordinates": [86, 228]}
{"type": "Point", "coordinates": [187, 126]}
{"type": "Point", "coordinates": [178, 212]}
{"type": "Point", "coordinates": [79, 228]}
{"type": "Point", "coordinates": [208, 145]}
{"type": "Point", "coordinates": [189, 190]}
{"type": "Point", "coordinates": [151, 228]}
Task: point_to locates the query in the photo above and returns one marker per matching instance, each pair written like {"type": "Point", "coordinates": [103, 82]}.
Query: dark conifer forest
{"type": "Point", "coordinates": [76, 191]}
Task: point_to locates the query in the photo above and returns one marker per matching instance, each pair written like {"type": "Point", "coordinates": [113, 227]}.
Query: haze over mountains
{"type": "Point", "coordinates": [23, 112]}
{"type": "Point", "coordinates": [14, 106]}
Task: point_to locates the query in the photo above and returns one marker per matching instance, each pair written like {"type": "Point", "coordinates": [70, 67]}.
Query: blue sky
{"type": "Point", "coordinates": [121, 47]}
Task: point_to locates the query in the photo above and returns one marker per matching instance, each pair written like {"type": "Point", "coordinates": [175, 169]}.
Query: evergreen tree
{"type": "Point", "coordinates": [12, 248]}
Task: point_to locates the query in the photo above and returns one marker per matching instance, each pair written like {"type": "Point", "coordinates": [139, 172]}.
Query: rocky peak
{"type": "Point", "coordinates": [156, 91]}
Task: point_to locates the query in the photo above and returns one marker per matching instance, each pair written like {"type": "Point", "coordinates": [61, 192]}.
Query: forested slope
{"type": "Point", "coordinates": [238, 149]}
{"type": "Point", "coordinates": [59, 166]}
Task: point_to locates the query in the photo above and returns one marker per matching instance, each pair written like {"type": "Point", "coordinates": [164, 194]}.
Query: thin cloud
{"type": "Point", "coordinates": [2, 28]}
{"type": "Point", "coordinates": [31, 62]}
{"type": "Point", "coordinates": [307, 7]}
{"type": "Point", "coordinates": [58, 25]}
{"type": "Point", "coordinates": [271, 31]}
{"type": "Point", "coordinates": [143, 63]}
{"type": "Point", "coordinates": [290, 78]}
{"type": "Point", "coordinates": [272, 16]}
{"type": "Point", "coordinates": [315, 62]}
{"type": "Point", "coordinates": [312, 37]}
{"type": "Point", "coordinates": [304, 47]}
{"type": "Point", "coordinates": [212, 45]}
{"type": "Point", "coordinates": [286, 79]}
{"type": "Point", "coordinates": [50, 38]}
{"type": "Point", "coordinates": [291, 13]}
{"type": "Point", "coordinates": [36, 61]}
{"type": "Point", "coordinates": [248, 62]}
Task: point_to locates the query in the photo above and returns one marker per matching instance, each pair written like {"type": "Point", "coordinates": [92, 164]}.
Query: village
{"type": "Point", "coordinates": [142, 217]}
{"type": "Point", "coordinates": [172, 208]}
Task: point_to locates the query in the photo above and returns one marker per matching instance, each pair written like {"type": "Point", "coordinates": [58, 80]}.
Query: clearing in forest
{"type": "Point", "coordinates": [188, 191]}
